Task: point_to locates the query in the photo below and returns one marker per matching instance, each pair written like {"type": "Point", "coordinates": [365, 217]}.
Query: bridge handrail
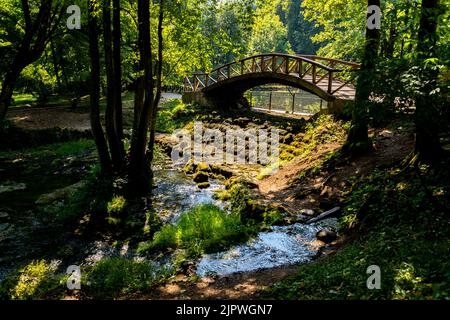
{"type": "Point", "coordinates": [289, 64]}
{"type": "Point", "coordinates": [303, 58]}
{"type": "Point", "coordinates": [352, 64]}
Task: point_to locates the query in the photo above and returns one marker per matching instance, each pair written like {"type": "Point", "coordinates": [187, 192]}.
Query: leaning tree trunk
{"type": "Point", "coordinates": [427, 144]}
{"type": "Point", "coordinates": [110, 113]}
{"type": "Point", "coordinates": [37, 34]}
{"type": "Point", "coordinates": [139, 170]}
{"type": "Point", "coordinates": [96, 127]}
{"type": "Point", "coordinates": [358, 139]}
{"type": "Point", "coordinates": [7, 89]}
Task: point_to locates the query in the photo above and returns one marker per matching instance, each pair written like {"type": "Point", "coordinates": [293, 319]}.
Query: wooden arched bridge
{"type": "Point", "coordinates": [330, 79]}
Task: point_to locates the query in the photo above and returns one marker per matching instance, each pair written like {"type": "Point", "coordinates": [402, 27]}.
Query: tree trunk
{"type": "Point", "coordinates": [110, 113]}
{"type": "Point", "coordinates": [158, 83]}
{"type": "Point", "coordinates": [96, 127]}
{"type": "Point", "coordinates": [427, 144]}
{"type": "Point", "coordinates": [7, 89]}
{"type": "Point", "coordinates": [358, 140]}
{"type": "Point", "coordinates": [140, 171]}
{"type": "Point", "coordinates": [117, 71]}
{"type": "Point", "coordinates": [139, 92]}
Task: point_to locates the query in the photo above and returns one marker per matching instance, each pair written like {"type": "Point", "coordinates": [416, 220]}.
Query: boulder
{"type": "Point", "coordinates": [326, 235]}
{"type": "Point", "coordinates": [12, 186]}
{"type": "Point", "coordinates": [4, 216]}
{"type": "Point", "coordinates": [201, 177]}
{"type": "Point", "coordinates": [203, 185]}
{"type": "Point", "coordinates": [59, 194]}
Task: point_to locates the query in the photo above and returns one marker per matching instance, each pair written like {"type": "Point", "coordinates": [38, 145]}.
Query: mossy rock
{"type": "Point", "coordinates": [203, 185]}
{"type": "Point", "coordinates": [201, 177]}
{"type": "Point", "coordinates": [288, 138]}
{"type": "Point", "coordinates": [203, 167]}
{"type": "Point", "coordinates": [286, 156]}
{"type": "Point", "coordinates": [190, 167]}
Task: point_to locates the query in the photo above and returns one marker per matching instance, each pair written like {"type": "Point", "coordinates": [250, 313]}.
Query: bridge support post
{"type": "Point", "coordinates": [270, 101]}
{"type": "Point", "coordinates": [293, 103]}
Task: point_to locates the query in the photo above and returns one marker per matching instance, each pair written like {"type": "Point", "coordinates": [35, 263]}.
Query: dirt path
{"type": "Point", "coordinates": [317, 191]}
{"type": "Point", "coordinates": [51, 117]}
{"type": "Point", "coordinates": [238, 286]}
{"type": "Point", "coordinates": [64, 117]}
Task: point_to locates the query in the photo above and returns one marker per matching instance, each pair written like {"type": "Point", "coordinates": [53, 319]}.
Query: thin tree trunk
{"type": "Point", "coordinates": [358, 140]}
{"type": "Point", "coordinates": [139, 92]}
{"type": "Point", "coordinates": [55, 65]}
{"type": "Point", "coordinates": [427, 144]}
{"type": "Point", "coordinates": [140, 170]}
{"type": "Point", "coordinates": [117, 71]}
{"type": "Point", "coordinates": [158, 83]}
{"type": "Point", "coordinates": [96, 127]}
{"type": "Point", "coordinates": [110, 113]}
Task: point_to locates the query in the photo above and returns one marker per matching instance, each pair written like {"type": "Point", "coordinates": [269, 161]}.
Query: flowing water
{"type": "Point", "coordinates": [282, 245]}
{"type": "Point", "coordinates": [175, 194]}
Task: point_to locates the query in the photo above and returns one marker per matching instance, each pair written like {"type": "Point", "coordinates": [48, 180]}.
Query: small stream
{"type": "Point", "coordinates": [175, 194]}
{"type": "Point", "coordinates": [282, 245]}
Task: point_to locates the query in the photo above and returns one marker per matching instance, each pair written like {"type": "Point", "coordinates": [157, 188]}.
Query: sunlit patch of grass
{"type": "Point", "coordinates": [23, 98]}
{"type": "Point", "coordinates": [33, 281]}
{"type": "Point", "coordinates": [116, 205]}
{"type": "Point", "coordinates": [173, 114]}
{"type": "Point", "coordinates": [206, 225]}
{"type": "Point", "coordinates": [61, 149]}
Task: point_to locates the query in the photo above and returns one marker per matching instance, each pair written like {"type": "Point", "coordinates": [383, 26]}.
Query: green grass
{"type": "Point", "coordinates": [173, 114]}
{"type": "Point", "coordinates": [206, 226]}
{"type": "Point", "coordinates": [112, 277]}
{"type": "Point", "coordinates": [35, 280]}
{"type": "Point", "coordinates": [24, 98]}
{"type": "Point", "coordinates": [60, 149]}
{"type": "Point", "coordinates": [403, 227]}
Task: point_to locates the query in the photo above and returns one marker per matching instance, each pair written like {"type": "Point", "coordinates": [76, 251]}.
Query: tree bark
{"type": "Point", "coordinates": [117, 71]}
{"type": "Point", "coordinates": [110, 113]}
{"type": "Point", "coordinates": [158, 83]}
{"type": "Point", "coordinates": [139, 170]}
{"type": "Point", "coordinates": [96, 127]}
{"type": "Point", "coordinates": [427, 144]}
{"type": "Point", "coordinates": [358, 139]}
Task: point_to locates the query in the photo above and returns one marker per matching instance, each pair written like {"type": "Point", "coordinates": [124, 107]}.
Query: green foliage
{"type": "Point", "coordinates": [173, 115]}
{"type": "Point", "coordinates": [269, 33]}
{"type": "Point", "coordinates": [206, 226]}
{"type": "Point", "coordinates": [404, 230]}
{"type": "Point", "coordinates": [116, 205]}
{"type": "Point", "coordinates": [33, 281]}
{"type": "Point", "coordinates": [299, 30]}
{"type": "Point", "coordinates": [112, 277]}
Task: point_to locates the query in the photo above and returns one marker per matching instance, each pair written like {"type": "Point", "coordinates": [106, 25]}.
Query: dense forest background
{"type": "Point", "coordinates": [199, 35]}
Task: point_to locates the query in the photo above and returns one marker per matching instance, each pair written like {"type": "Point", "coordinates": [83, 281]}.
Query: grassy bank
{"type": "Point", "coordinates": [401, 223]}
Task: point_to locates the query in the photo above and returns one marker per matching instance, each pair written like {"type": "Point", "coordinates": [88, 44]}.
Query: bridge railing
{"type": "Point", "coordinates": [314, 69]}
